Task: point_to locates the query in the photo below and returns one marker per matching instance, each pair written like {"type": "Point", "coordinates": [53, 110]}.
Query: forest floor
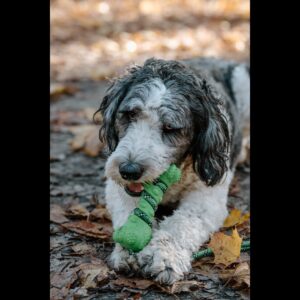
{"type": "Point", "coordinates": [81, 229]}
{"type": "Point", "coordinates": [92, 41]}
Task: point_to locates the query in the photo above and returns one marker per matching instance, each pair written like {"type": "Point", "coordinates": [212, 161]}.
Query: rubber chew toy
{"type": "Point", "coordinates": [136, 233]}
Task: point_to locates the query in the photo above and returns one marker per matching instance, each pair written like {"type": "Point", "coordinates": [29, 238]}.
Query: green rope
{"type": "Point", "coordinates": [208, 252]}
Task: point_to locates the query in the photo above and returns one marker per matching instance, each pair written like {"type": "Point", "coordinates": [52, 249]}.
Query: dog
{"type": "Point", "coordinates": [191, 113]}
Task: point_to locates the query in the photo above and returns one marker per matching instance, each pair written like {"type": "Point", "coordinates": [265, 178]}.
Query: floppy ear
{"type": "Point", "coordinates": [109, 107]}
{"type": "Point", "coordinates": [211, 140]}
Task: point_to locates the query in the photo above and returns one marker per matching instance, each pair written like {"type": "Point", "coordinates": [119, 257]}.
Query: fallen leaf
{"type": "Point", "coordinates": [242, 274]}
{"type": "Point", "coordinates": [83, 248]}
{"type": "Point", "coordinates": [89, 113]}
{"type": "Point", "coordinates": [226, 248]}
{"type": "Point", "coordinates": [91, 229]}
{"type": "Point", "coordinates": [236, 218]}
{"type": "Point", "coordinates": [57, 214]}
{"type": "Point", "coordinates": [91, 274]}
{"type": "Point", "coordinates": [238, 277]}
{"type": "Point", "coordinates": [72, 117]}
{"type": "Point", "coordinates": [99, 213]}
{"type": "Point", "coordinates": [134, 283]}
{"type": "Point", "coordinates": [86, 139]}
{"type": "Point", "coordinates": [58, 294]}
{"type": "Point", "coordinates": [77, 211]}
{"type": "Point", "coordinates": [78, 293]}
{"type": "Point", "coordinates": [57, 89]}
{"type": "Point", "coordinates": [185, 286]}
{"type": "Point", "coordinates": [64, 279]}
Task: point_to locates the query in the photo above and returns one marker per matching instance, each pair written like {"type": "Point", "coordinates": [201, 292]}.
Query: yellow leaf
{"type": "Point", "coordinates": [235, 218]}
{"type": "Point", "coordinates": [226, 248]}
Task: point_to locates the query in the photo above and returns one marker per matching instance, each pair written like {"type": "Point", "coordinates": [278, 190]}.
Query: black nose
{"type": "Point", "coordinates": [130, 170]}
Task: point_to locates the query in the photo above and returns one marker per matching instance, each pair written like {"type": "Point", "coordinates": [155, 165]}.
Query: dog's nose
{"type": "Point", "coordinates": [130, 170]}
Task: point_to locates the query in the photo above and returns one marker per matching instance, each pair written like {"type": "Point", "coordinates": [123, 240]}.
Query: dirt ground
{"type": "Point", "coordinates": [92, 41]}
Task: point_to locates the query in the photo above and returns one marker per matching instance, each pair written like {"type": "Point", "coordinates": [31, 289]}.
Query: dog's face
{"type": "Point", "coordinates": [157, 115]}
{"type": "Point", "coordinates": [154, 130]}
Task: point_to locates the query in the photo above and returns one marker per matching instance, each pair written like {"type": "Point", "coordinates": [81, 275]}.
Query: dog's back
{"type": "Point", "coordinates": [232, 79]}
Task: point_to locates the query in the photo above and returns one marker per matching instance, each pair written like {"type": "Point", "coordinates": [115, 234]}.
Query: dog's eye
{"type": "Point", "coordinates": [130, 114]}
{"type": "Point", "coordinates": [167, 128]}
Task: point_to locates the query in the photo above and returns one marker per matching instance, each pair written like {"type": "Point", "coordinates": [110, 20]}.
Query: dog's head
{"type": "Point", "coordinates": [159, 114]}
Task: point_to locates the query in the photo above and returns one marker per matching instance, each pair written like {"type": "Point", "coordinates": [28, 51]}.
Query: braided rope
{"type": "Point", "coordinates": [208, 252]}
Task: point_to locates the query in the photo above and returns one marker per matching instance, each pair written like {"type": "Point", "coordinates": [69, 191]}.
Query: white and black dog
{"type": "Point", "coordinates": [191, 113]}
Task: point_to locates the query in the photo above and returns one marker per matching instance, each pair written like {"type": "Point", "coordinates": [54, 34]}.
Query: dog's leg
{"type": "Point", "coordinates": [169, 253]}
{"type": "Point", "coordinates": [119, 205]}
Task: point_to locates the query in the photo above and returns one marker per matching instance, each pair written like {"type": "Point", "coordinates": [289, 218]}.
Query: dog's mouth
{"type": "Point", "coordinates": [134, 189]}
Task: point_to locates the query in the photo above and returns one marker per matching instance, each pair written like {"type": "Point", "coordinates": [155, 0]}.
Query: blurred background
{"type": "Point", "coordinates": [94, 40]}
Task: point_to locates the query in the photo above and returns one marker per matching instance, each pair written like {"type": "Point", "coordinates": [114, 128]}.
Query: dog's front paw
{"type": "Point", "coordinates": [163, 259]}
{"type": "Point", "coordinates": [121, 260]}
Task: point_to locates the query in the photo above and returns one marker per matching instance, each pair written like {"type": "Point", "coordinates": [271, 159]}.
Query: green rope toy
{"type": "Point", "coordinates": [136, 233]}
{"type": "Point", "coordinates": [208, 252]}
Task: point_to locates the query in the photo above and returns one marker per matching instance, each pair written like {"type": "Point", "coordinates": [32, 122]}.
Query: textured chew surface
{"type": "Point", "coordinates": [136, 233]}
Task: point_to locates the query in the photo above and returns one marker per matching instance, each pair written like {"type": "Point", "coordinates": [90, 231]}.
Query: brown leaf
{"type": "Point", "coordinates": [64, 279]}
{"type": "Point", "coordinates": [102, 231]}
{"type": "Point", "coordinates": [238, 277]}
{"type": "Point", "coordinates": [77, 211]}
{"type": "Point", "coordinates": [86, 139]}
{"type": "Point", "coordinates": [89, 114]}
{"type": "Point", "coordinates": [185, 286]}
{"type": "Point", "coordinates": [57, 214]}
{"type": "Point", "coordinates": [91, 274]}
{"type": "Point", "coordinates": [58, 294]}
{"type": "Point", "coordinates": [236, 218]}
{"type": "Point", "coordinates": [57, 89]}
{"type": "Point", "coordinates": [99, 213]}
{"type": "Point", "coordinates": [83, 248]}
{"type": "Point", "coordinates": [226, 248]}
{"type": "Point", "coordinates": [134, 283]}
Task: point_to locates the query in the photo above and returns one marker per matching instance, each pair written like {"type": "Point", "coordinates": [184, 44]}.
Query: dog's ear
{"type": "Point", "coordinates": [110, 104]}
{"type": "Point", "coordinates": [211, 140]}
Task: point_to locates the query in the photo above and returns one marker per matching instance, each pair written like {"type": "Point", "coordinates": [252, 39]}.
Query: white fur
{"type": "Point", "coordinates": [201, 209]}
{"type": "Point", "coordinates": [241, 90]}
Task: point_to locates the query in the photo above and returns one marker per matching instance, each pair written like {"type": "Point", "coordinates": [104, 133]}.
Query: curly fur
{"type": "Point", "coordinates": [189, 113]}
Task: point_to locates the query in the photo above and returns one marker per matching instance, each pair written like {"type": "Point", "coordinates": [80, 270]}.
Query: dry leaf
{"type": "Point", "coordinates": [102, 231]}
{"type": "Point", "coordinates": [134, 283]}
{"type": "Point", "coordinates": [236, 218]}
{"type": "Point", "coordinates": [86, 139]}
{"type": "Point", "coordinates": [58, 294]}
{"type": "Point", "coordinates": [99, 213]}
{"type": "Point", "coordinates": [91, 274]}
{"type": "Point", "coordinates": [239, 276]}
{"type": "Point", "coordinates": [77, 211]}
{"type": "Point", "coordinates": [226, 248]}
{"type": "Point", "coordinates": [57, 214]}
{"type": "Point", "coordinates": [185, 286]}
{"type": "Point", "coordinates": [242, 274]}
{"type": "Point", "coordinates": [83, 248]}
{"type": "Point", "coordinates": [89, 113]}
{"type": "Point", "coordinates": [64, 279]}
{"type": "Point", "coordinates": [57, 89]}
